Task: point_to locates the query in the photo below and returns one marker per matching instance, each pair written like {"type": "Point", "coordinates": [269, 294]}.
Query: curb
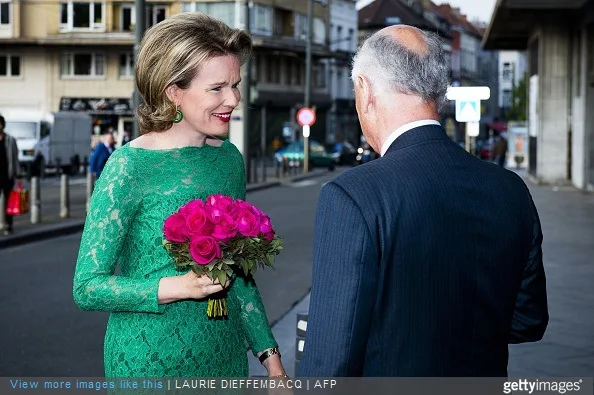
{"type": "Point", "coordinates": [64, 229]}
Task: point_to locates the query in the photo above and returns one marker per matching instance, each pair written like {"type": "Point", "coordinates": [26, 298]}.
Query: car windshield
{"type": "Point", "coordinates": [21, 130]}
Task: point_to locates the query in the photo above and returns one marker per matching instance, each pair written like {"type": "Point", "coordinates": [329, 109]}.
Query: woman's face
{"type": "Point", "coordinates": [211, 97]}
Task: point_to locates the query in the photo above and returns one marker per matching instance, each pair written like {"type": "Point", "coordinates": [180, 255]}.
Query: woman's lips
{"type": "Point", "coordinates": [224, 117]}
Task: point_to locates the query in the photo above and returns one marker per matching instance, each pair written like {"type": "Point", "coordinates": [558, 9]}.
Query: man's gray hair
{"type": "Point", "coordinates": [392, 67]}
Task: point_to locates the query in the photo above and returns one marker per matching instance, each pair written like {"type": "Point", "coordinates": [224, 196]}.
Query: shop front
{"type": "Point", "coordinates": [115, 114]}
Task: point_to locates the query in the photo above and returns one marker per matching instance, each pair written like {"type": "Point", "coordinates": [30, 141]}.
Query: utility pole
{"type": "Point", "coordinates": [306, 101]}
{"type": "Point", "coordinates": [246, 84]}
{"type": "Point", "coordinates": [139, 29]}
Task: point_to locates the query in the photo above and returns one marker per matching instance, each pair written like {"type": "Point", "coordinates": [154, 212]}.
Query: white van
{"type": "Point", "coordinates": [59, 141]}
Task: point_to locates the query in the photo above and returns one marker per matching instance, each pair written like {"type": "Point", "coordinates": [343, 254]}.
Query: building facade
{"type": "Point", "coordinates": [512, 66]}
{"type": "Point", "coordinates": [558, 37]}
{"type": "Point", "coordinates": [76, 56]}
{"type": "Point", "coordinates": [343, 123]}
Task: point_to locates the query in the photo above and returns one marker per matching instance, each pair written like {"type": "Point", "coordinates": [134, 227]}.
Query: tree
{"type": "Point", "coordinates": [519, 102]}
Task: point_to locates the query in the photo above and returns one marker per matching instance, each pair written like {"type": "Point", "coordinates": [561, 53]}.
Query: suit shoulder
{"type": "Point", "coordinates": [361, 178]}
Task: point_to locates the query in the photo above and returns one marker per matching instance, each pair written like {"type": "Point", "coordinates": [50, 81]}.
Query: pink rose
{"type": "Point", "coordinates": [266, 226]}
{"type": "Point", "coordinates": [198, 223]}
{"type": "Point", "coordinates": [191, 206]}
{"type": "Point", "coordinates": [204, 249]}
{"type": "Point", "coordinates": [225, 228]}
{"type": "Point", "coordinates": [269, 236]}
{"type": "Point", "coordinates": [247, 223]}
{"type": "Point", "coordinates": [257, 212]}
{"type": "Point", "coordinates": [219, 201]}
{"type": "Point", "coordinates": [174, 228]}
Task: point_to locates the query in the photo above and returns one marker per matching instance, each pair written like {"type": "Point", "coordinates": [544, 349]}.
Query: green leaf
{"type": "Point", "coordinates": [229, 261]}
{"type": "Point", "coordinates": [246, 270]}
{"type": "Point", "coordinates": [222, 276]}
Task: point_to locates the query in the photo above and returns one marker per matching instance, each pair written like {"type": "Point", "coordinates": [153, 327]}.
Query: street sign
{"type": "Point", "coordinates": [468, 93]}
{"type": "Point", "coordinates": [468, 110]}
{"type": "Point", "coordinates": [306, 116]}
{"type": "Point", "coordinates": [306, 131]}
{"type": "Point", "coordinates": [473, 129]}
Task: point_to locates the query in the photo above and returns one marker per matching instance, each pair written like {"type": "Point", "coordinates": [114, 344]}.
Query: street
{"type": "Point", "coordinates": [45, 334]}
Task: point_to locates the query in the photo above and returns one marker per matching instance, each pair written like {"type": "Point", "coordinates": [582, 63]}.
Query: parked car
{"type": "Point", "coordinates": [344, 154]}
{"type": "Point", "coordinates": [292, 155]}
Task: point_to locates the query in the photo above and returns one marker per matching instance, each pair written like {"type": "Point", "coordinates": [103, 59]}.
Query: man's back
{"type": "Point", "coordinates": [451, 237]}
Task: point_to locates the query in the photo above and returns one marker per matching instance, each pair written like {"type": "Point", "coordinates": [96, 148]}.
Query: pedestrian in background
{"type": "Point", "coordinates": [101, 153]}
{"type": "Point", "coordinates": [501, 149]}
{"type": "Point", "coordinates": [427, 261]}
{"type": "Point", "coordinates": [187, 73]}
{"type": "Point", "coordinates": [9, 167]}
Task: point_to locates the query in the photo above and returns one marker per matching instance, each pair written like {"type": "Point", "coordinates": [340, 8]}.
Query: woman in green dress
{"type": "Point", "coordinates": [187, 72]}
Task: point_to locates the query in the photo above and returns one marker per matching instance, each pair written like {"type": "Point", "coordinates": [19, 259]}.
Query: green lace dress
{"type": "Point", "coordinates": [137, 190]}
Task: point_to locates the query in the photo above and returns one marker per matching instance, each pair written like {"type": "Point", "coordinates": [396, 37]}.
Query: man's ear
{"type": "Point", "coordinates": [367, 99]}
{"type": "Point", "coordinates": [173, 93]}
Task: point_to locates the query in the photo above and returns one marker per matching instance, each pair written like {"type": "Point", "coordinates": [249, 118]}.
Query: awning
{"type": "Point", "coordinates": [513, 21]}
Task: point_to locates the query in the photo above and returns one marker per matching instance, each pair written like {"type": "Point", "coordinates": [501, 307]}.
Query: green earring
{"type": "Point", "coordinates": [178, 116]}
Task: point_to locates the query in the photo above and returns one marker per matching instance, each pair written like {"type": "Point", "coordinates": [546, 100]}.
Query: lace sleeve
{"type": "Point", "coordinates": [254, 321]}
{"type": "Point", "coordinates": [112, 209]}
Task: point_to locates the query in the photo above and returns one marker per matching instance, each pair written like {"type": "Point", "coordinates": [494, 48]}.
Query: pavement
{"type": "Point", "coordinates": [52, 225]}
{"type": "Point", "coordinates": [567, 349]}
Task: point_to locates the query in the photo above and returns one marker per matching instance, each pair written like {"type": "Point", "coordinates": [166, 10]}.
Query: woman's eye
{"type": "Point", "coordinates": [236, 85]}
{"type": "Point", "coordinates": [217, 89]}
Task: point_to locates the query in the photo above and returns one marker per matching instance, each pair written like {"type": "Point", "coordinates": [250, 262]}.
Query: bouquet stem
{"type": "Point", "coordinates": [217, 308]}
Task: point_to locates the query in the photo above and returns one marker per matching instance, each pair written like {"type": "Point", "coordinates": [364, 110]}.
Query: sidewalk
{"type": "Point", "coordinates": [52, 225]}
{"type": "Point", "coordinates": [567, 349]}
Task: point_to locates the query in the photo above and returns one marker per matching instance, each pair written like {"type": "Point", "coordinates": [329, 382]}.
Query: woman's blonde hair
{"type": "Point", "coordinates": [171, 52]}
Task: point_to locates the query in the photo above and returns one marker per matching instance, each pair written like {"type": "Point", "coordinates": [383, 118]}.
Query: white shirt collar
{"type": "Point", "coordinates": [405, 128]}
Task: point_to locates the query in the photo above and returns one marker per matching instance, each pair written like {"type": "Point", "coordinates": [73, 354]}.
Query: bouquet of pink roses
{"type": "Point", "coordinates": [218, 236]}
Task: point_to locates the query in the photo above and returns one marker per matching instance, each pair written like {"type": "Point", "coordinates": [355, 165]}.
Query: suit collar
{"type": "Point", "coordinates": [418, 135]}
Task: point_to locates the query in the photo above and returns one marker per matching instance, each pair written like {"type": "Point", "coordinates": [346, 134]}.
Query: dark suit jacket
{"type": "Point", "coordinates": [99, 158]}
{"type": "Point", "coordinates": [427, 262]}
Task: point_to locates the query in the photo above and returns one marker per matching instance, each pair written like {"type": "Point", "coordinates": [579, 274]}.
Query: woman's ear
{"type": "Point", "coordinates": [173, 93]}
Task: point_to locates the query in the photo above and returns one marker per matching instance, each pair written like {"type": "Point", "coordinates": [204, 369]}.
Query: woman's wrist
{"type": "Point", "coordinates": [274, 366]}
{"type": "Point", "coordinates": [170, 290]}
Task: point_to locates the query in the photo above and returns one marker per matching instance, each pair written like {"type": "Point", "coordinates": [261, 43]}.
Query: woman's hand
{"type": "Point", "coordinates": [188, 286]}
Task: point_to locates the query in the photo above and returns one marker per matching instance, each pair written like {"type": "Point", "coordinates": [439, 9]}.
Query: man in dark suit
{"type": "Point", "coordinates": [101, 153]}
{"type": "Point", "coordinates": [427, 261]}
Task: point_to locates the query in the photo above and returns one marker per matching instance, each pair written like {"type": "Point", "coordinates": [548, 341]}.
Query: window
{"type": "Point", "coordinates": [261, 23]}
{"type": "Point", "coordinates": [83, 65]}
{"type": "Point", "coordinates": [319, 28]}
{"type": "Point", "coordinates": [155, 14]}
{"type": "Point", "coordinates": [506, 98]}
{"type": "Point", "coordinates": [5, 13]}
{"type": "Point", "coordinates": [10, 65]}
{"type": "Point", "coordinates": [300, 32]}
{"type": "Point", "coordinates": [127, 65]}
{"type": "Point", "coordinates": [224, 12]}
{"type": "Point", "coordinates": [127, 18]}
{"type": "Point", "coordinates": [320, 71]}
{"type": "Point", "coordinates": [82, 16]}
{"type": "Point", "coordinates": [45, 129]}
{"type": "Point", "coordinates": [507, 73]}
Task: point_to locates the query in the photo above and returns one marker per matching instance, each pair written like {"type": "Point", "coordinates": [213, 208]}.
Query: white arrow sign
{"type": "Point", "coordinates": [468, 110]}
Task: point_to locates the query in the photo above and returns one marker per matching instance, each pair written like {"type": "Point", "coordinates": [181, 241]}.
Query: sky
{"type": "Point", "coordinates": [474, 9]}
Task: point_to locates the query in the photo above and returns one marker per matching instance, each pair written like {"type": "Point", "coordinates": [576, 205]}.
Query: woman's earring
{"type": "Point", "coordinates": [178, 115]}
